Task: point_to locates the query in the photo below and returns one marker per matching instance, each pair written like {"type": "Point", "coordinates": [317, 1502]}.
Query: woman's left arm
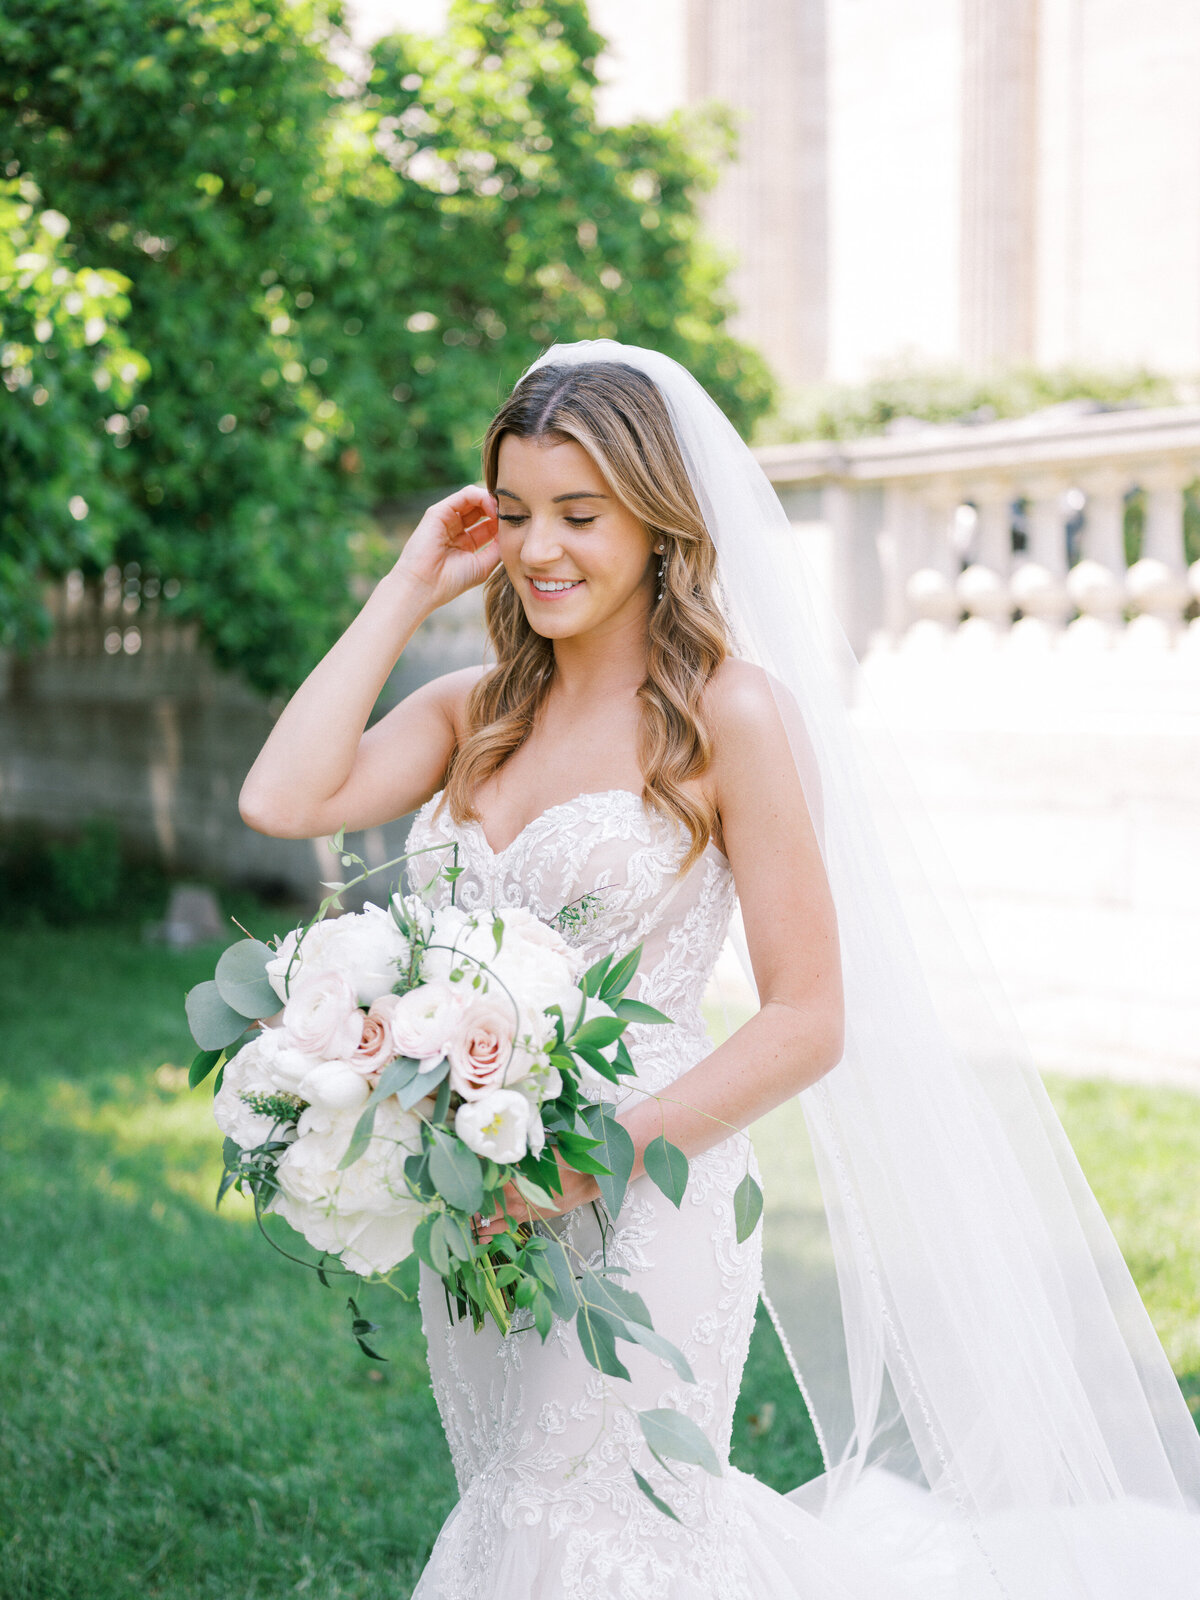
{"type": "Point", "coordinates": [791, 933]}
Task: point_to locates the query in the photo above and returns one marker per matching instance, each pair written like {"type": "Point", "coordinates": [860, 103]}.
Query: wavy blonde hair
{"type": "Point", "coordinates": [620, 418]}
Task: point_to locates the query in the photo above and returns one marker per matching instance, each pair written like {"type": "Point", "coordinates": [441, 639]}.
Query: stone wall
{"type": "Point", "coordinates": [124, 716]}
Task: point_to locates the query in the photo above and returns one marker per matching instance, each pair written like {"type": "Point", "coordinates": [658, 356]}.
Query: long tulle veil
{"type": "Point", "coordinates": [955, 1306]}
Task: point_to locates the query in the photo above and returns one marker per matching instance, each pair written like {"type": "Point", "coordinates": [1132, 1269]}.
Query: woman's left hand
{"type": "Point", "coordinates": [578, 1189]}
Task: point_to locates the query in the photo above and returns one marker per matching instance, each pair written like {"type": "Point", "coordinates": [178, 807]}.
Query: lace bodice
{"type": "Point", "coordinates": [611, 847]}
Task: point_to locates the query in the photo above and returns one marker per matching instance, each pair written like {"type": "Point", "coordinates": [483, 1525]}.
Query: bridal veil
{"type": "Point", "coordinates": [954, 1304]}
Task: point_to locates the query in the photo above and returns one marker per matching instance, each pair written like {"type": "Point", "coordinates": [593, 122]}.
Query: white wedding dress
{"type": "Point", "coordinates": [542, 1443]}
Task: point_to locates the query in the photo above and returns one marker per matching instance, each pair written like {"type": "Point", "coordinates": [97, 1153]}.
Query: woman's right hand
{"type": "Point", "coordinates": [453, 547]}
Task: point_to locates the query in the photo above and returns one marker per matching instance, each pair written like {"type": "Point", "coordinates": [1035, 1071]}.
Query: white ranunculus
{"type": "Point", "coordinates": [422, 1021]}
{"type": "Point", "coordinates": [497, 1126]}
{"type": "Point", "coordinates": [335, 1086]}
{"type": "Point", "coordinates": [364, 1214]}
{"type": "Point", "coordinates": [248, 1072]}
{"type": "Point", "coordinates": [281, 1061]}
{"type": "Point", "coordinates": [366, 946]}
{"type": "Point", "coordinates": [321, 1017]}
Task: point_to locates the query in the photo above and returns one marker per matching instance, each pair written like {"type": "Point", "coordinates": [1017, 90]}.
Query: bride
{"type": "Point", "coordinates": [665, 734]}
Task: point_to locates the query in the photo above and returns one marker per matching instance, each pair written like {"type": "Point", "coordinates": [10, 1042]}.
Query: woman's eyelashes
{"type": "Point", "coordinates": [516, 521]}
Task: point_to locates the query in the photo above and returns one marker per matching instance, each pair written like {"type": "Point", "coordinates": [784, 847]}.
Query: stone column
{"type": "Point", "coordinates": [766, 59]}
{"type": "Point", "coordinates": [999, 99]}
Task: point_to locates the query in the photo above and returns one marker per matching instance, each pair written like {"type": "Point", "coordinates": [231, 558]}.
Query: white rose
{"type": "Point", "coordinates": [497, 1125]}
{"type": "Point", "coordinates": [335, 1086]}
{"type": "Point", "coordinates": [365, 946]}
{"type": "Point", "coordinates": [422, 1021]}
{"type": "Point", "coordinates": [365, 1213]}
{"type": "Point", "coordinates": [246, 1073]}
{"type": "Point", "coordinates": [322, 1016]}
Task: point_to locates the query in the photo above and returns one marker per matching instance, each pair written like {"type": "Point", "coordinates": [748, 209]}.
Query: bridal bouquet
{"type": "Point", "coordinates": [386, 1077]}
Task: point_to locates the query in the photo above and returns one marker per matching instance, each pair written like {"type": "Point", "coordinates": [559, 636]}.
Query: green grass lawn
{"type": "Point", "coordinates": [183, 1413]}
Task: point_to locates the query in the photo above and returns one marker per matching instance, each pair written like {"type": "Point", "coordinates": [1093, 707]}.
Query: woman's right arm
{"type": "Point", "coordinates": [318, 770]}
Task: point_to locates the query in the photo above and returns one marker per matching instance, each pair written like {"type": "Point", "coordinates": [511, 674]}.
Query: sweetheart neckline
{"type": "Point", "coordinates": [559, 805]}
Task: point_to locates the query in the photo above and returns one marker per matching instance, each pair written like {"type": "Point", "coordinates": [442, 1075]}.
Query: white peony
{"type": "Point", "coordinates": [534, 964]}
{"type": "Point", "coordinates": [365, 946]}
{"type": "Point", "coordinates": [497, 1126]}
{"type": "Point", "coordinates": [364, 1214]}
{"type": "Point", "coordinates": [246, 1073]}
{"type": "Point", "coordinates": [321, 1017]}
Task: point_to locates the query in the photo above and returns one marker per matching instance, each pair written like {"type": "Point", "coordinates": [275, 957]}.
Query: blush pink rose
{"type": "Point", "coordinates": [322, 1017]}
{"type": "Point", "coordinates": [481, 1052]}
{"type": "Point", "coordinates": [375, 1049]}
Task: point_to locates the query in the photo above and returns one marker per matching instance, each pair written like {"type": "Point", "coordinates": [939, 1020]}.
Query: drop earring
{"type": "Point", "coordinates": [661, 552]}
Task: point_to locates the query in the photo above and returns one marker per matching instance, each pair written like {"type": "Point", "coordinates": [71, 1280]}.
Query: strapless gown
{"type": "Point", "coordinates": [542, 1443]}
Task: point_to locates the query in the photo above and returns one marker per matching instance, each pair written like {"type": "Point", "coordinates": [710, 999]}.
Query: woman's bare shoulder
{"type": "Point", "coordinates": [450, 693]}
{"type": "Point", "coordinates": [739, 704]}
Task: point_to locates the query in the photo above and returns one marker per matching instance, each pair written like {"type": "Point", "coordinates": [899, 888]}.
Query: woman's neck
{"type": "Point", "coordinates": [594, 665]}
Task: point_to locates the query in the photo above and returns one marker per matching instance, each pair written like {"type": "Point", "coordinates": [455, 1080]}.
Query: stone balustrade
{"type": "Point", "coordinates": [1015, 528]}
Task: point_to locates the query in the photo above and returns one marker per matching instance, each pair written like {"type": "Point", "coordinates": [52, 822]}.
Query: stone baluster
{"type": "Point", "coordinates": [1096, 583]}
{"type": "Point", "coordinates": [930, 589]}
{"type": "Point", "coordinates": [897, 544]}
{"type": "Point", "coordinates": [1157, 583]}
{"type": "Point", "coordinates": [982, 587]}
{"type": "Point", "coordinates": [1039, 580]}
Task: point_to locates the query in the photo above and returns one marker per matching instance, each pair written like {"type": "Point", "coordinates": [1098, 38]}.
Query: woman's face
{"type": "Point", "coordinates": [578, 559]}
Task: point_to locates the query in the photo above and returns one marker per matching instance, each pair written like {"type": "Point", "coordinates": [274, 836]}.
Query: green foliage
{"type": "Point", "coordinates": [65, 364]}
{"type": "Point", "coordinates": [948, 394]}
{"type": "Point", "coordinates": [333, 285]}
{"type": "Point", "coordinates": [77, 878]}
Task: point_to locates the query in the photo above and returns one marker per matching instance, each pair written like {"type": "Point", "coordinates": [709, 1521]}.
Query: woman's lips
{"type": "Point", "coordinates": [557, 592]}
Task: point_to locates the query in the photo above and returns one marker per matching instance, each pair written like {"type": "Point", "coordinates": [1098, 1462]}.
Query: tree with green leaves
{"type": "Point", "coordinates": [331, 283]}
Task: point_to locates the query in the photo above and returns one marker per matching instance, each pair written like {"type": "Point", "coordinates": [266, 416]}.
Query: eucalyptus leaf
{"type": "Point", "coordinates": [213, 1022]}
{"type": "Point", "coordinates": [241, 979]}
{"type": "Point", "coordinates": [669, 1433]}
{"type": "Point", "coordinates": [747, 1207]}
{"type": "Point", "coordinates": [394, 1076]}
{"type": "Point", "coordinates": [564, 1297]}
{"type": "Point", "coordinates": [455, 1173]}
{"type": "Point", "coordinates": [667, 1166]}
{"type": "Point", "coordinates": [616, 1151]}
{"type": "Point", "coordinates": [598, 1338]}
{"type": "Point", "coordinates": [534, 1193]}
{"type": "Point", "coordinates": [658, 1503]}
{"type": "Point", "coordinates": [598, 1290]}
{"type": "Point", "coordinates": [637, 1333]}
